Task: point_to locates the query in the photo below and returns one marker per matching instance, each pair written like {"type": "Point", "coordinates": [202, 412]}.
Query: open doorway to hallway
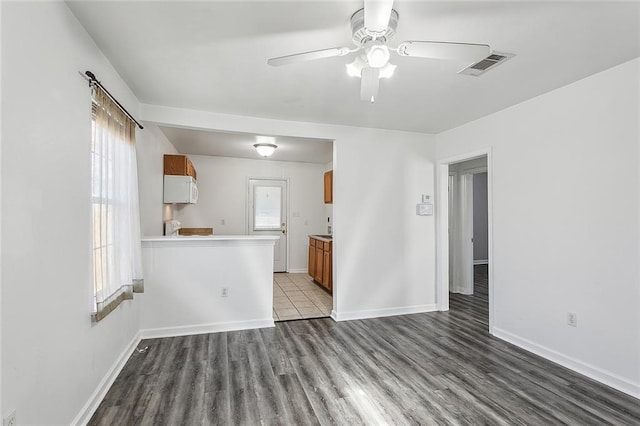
{"type": "Point", "coordinates": [469, 238]}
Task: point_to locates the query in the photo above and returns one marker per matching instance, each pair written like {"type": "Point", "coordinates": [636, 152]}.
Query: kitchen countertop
{"type": "Point", "coordinates": [326, 238]}
{"type": "Point", "coordinates": [208, 240]}
{"type": "Point", "coordinates": [210, 237]}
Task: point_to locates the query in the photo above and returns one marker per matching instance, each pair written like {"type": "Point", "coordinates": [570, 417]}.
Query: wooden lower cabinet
{"type": "Point", "coordinates": [320, 260]}
{"type": "Point", "coordinates": [319, 263]}
{"type": "Point", "coordinates": [312, 258]}
{"type": "Point", "coordinates": [326, 270]}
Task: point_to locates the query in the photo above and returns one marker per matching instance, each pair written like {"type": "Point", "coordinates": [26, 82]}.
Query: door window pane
{"type": "Point", "coordinates": [267, 202]}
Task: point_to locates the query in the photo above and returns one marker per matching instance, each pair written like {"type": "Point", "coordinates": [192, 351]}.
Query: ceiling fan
{"type": "Point", "coordinates": [372, 27]}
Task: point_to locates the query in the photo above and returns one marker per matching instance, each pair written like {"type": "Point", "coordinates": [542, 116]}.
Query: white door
{"type": "Point", "coordinates": [267, 215]}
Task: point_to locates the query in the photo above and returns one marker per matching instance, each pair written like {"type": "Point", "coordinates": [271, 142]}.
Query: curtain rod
{"type": "Point", "coordinates": [91, 77]}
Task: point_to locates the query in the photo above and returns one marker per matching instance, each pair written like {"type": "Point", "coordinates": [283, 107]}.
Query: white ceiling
{"type": "Point", "coordinates": [240, 145]}
{"type": "Point", "coordinates": [212, 56]}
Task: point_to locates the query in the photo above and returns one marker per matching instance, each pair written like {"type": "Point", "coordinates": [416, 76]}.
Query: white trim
{"type": "Point", "coordinates": [442, 237]}
{"type": "Point", "coordinates": [610, 379]}
{"type": "Point", "coordinates": [217, 327]}
{"type": "Point", "coordinates": [473, 171]}
{"type": "Point", "coordinates": [385, 312]}
{"type": "Point", "coordinates": [481, 262]}
{"type": "Point", "coordinates": [442, 223]}
{"type": "Point", "coordinates": [297, 271]}
{"type": "Point", "coordinates": [103, 387]}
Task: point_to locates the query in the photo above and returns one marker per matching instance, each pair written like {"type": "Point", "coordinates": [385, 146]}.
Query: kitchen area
{"type": "Point", "coordinates": [310, 294]}
{"type": "Point", "coordinates": [213, 226]}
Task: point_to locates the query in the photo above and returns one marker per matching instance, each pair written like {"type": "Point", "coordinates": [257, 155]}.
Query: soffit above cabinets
{"type": "Point", "coordinates": [240, 145]}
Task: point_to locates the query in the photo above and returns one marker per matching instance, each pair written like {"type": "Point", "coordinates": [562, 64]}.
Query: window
{"type": "Point", "coordinates": [117, 266]}
{"type": "Point", "coordinates": [267, 202]}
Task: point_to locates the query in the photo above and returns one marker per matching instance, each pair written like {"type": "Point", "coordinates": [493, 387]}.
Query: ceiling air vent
{"type": "Point", "coordinates": [478, 68]}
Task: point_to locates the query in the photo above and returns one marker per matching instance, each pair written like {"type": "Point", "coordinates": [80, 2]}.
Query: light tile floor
{"type": "Point", "coordinates": [295, 296]}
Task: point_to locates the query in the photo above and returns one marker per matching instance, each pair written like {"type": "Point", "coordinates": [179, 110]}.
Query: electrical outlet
{"type": "Point", "coordinates": [572, 319]}
{"type": "Point", "coordinates": [10, 420]}
{"type": "Point", "coordinates": [224, 292]}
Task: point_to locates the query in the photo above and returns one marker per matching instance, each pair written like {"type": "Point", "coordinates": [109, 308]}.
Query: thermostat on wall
{"type": "Point", "coordinates": [424, 209]}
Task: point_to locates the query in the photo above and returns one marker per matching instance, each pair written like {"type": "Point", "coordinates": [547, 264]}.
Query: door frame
{"type": "Point", "coordinates": [248, 211]}
{"type": "Point", "coordinates": [442, 224]}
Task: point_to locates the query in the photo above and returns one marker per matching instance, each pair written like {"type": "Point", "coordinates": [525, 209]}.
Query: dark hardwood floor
{"type": "Point", "coordinates": [435, 368]}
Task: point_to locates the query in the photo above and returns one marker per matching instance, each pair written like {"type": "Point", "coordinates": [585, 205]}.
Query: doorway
{"type": "Point", "coordinates": [468, 227]}
{"type": "Point", "coordinates": [464, 235]}
{"type": "Point", "coordinates": [268, 215]}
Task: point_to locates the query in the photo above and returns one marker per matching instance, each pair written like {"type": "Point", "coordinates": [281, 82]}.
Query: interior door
{"type": "Point", "coordinates": [268, 215]}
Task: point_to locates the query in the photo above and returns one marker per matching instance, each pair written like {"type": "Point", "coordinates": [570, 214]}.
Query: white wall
{"type": "Point", "coordinates": [384, 255]}
{"type": "Point", "coordinates": [1, 134]}
{"type": "Point", "coordinates": [565, 222]}
{"type": "Point", "coordinates": [151, 145]}
{"type": "Point", "coordinates": [185, 279]}
{"type": "Point", "coordinates": [53, 357]}
{"type": "Point", "coordinates": [222, 187]}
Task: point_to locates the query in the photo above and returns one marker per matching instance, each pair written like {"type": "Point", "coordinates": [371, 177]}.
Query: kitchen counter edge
{"type": "Point", "coordinates": [321, 238]}
{"type": "Point", "coordinates": [210, 239]}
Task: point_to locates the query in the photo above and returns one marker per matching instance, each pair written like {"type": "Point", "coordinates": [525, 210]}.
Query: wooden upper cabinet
{"type": "Point", "coordinates": [179, 165]}
{"type": "Point", "coordinates": [328, 187]}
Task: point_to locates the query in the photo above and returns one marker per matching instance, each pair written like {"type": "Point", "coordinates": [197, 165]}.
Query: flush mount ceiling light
{"type": "Point", "coordinates": [265, 149]}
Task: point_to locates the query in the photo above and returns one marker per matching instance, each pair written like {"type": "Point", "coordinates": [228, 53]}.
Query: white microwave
{"type": "Point", "coordinates": [180, 189]}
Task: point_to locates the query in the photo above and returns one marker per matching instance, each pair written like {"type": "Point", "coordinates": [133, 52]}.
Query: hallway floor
{"type": "Point", "coordinates": [295, 296]}
{"type": "Point", "coordinates": [474, 307]}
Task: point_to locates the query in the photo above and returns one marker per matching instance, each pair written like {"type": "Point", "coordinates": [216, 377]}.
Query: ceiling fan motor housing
{"type": "Point", "coordinates": [359, 34]}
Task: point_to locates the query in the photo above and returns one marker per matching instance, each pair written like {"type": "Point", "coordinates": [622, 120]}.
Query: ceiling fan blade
{"type": "Point", "coordinates": [464, 52]}
{"type": "Point", "coordinates": [377, 14]}
{"type": "Point", "coordinates": [369, 84]}
{"type": "Point", "coordinates": [308, 56]}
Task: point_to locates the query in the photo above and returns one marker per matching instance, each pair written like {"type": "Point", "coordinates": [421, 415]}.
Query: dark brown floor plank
{"type": "Point", "coordinates": [437, 368]}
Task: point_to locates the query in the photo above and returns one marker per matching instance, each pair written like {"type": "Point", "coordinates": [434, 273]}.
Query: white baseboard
{"type": "Point", "coordinates": [385, 312]}
{"type": "Point", "coordinates": [298, 271]}
{"type": "Point", "coordinates": [98, 395]}
{"type": "Point", "coordinates": [595, 373]}
{"type": "Point", "coordinates": [481, 262]}
{"type": "Point", "coordinates": [153, 333]}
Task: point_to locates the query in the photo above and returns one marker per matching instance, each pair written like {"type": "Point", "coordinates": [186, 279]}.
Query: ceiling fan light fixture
{"type": "Point", "coordinates": [265, 149]}
{"type": "Point", "coordinates": [354, 69]}
{"type": "Point", "coordinates": [378, 56]}
{"type": "Point", "coordinates": [387, 71]}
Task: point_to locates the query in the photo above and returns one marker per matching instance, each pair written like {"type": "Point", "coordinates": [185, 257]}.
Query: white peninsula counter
{"type": "Point", "coordinates": [205, 284]}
